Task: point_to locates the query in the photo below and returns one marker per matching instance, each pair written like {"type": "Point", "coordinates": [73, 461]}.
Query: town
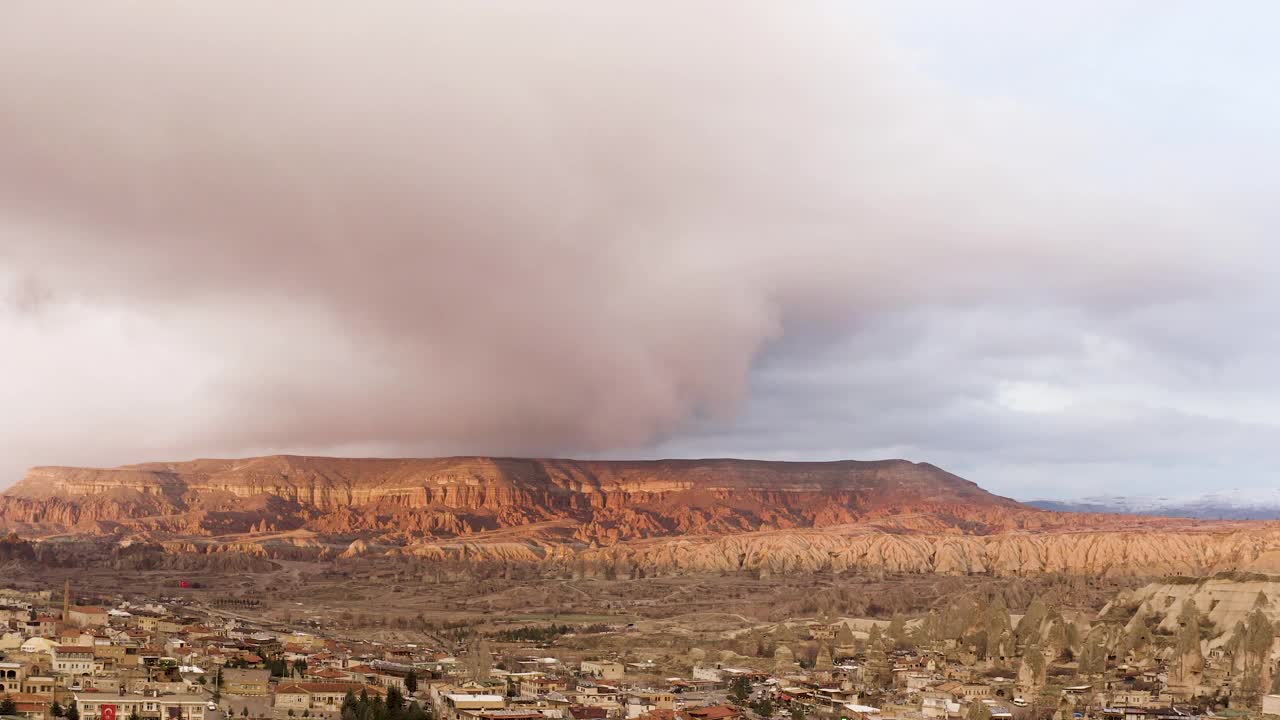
{"type": "Point", "coordinates": [172, 658]}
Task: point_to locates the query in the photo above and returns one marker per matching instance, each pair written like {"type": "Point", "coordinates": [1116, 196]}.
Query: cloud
{"type": "Point", "coordinates": [552, 229]}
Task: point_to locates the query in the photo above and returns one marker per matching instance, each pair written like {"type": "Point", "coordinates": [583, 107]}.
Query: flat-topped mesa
{"type": "Point", "coordinates": [619, 499]}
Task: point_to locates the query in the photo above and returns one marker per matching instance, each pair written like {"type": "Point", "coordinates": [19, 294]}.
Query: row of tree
{"type": "Point", "coordinates": [371, 707]}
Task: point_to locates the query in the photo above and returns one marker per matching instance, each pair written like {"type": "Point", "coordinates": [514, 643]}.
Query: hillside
{"type": "Point", "coordinates": [598, 517]}
{"type": "Point", "coordinates": [463, 496]}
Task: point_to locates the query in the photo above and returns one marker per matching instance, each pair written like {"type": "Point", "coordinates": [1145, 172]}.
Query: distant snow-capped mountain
{"type": "Point", "coordinates": [1233, 504]}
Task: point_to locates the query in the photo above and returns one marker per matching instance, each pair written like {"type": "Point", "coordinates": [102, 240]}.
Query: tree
{"type": "Point", "coordinates": [8, 706]}
{"type": "Point", "coordinates": [244, 712]}
{"type": "Point", "coordinates": [1189, 661]}
{"type": "Point", "coordinates": [394, 703]}
{"type": "Point", "coordinates": [134, 714]}
{"type": "Point", "coordinates": [415, 712]}
{"type": "Point", "coordinates": [740, 690]}
{"type": "Point", "coordinates": [217, 686]}
{"type": "Point", "coordinates": [411, 682]}
{"type": "Point", "coordinates": [55, 709]}
{"type": "Point", "coordinates": [73, 713]}
{"type": "Point", "coordinates": [797, 711]}
{"type": "Point", "coordinates": [898, 631]}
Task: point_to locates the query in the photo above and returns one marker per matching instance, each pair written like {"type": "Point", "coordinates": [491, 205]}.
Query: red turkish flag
{"type": "Point", "coordinates": [108, 712]}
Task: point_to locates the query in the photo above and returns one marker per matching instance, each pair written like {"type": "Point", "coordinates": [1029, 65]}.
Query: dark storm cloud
{"type": "Point", "coordinates": [552, 228]}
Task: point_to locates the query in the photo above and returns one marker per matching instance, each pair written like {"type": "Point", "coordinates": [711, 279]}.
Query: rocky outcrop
{"type": "Point", "coordinates": [1121, 552]}
{"type": "Point", "coordinates": [586, 518]}
{"type": "Point", "coordinates": [1222, 602]}
{"type": "Point", "coordinates": [605, 501]}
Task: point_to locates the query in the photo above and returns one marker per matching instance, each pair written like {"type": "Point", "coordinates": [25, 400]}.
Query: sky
{"type": "Point", "coordinates": [1030, 243]}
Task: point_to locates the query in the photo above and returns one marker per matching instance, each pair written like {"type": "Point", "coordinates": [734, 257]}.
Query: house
{"type": "Point", "coordinates": [936, 704]}
{"type": "Point", "coordinates": [865, 712]}
{"type": "Point", "coordinates": [833, 698]}
{"type": "Point", "coordinates": [87, 616]}
{"type": "Point", "coordinates": [37, 645]}
{"type": "Point", "coordinates": [35, 707]}
{"type": "Point", "coordinates": [1132, 698]}
{"type": "Point", "coordinates": [39, 685]}
{"type": "Point", "coordinates": [91, 706]}
{"type": "Point", "coordinates": [322, 696]}
{"type": "Point", "coordinates": [601, 669]}
{"type": "Point", "coordinates": [456, 706]}
{"type": "Point", "coordinates": [246, 682]}
{"type": "Point", "coordinates": [601, 696]}
{"type": "Point", "coordinates": [44, 626]}
{"type": "Point", "coordinates": [975, 691]}
{"type": "Point", "coordinates": [73, 660]}
{"type": "Point", "coordinates": [646, 701]}
{"type": "Point", "coordinates": [74, 636]}
{"type": "Point", "coordinates": [110, 657]}
{"type": "Point", "coordinates": [509, 715]}
{"type": "Point", "coordinates": [714, 712]}
{"type": "Point", "coordinates": [11, 676]}
{"type": "Point", "coordinates": [915, 681]}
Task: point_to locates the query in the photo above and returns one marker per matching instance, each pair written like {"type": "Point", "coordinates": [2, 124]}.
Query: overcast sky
{"type": "Point", "coordinates": [1032, 243]}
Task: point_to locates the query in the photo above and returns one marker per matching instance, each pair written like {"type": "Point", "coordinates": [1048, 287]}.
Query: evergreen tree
{"type": "Point", "coordinates": [898, 631]}
{"type": "Point", "coordinates": [740, 690]}
{"type": "Point", "coordinates": [411, 682]}
{"type": "Point", "coordinates": [874, 636]}
{"type": "Point", "coordinates": [394, 703]}
{"type": "Point", "coordinates": [8, 706]}
{"type": "Point", "coordinates": [73, 713]}
{"type": "Point", "coordinates": [55, 709]}
{"type": "Point", "coordinates": [415, 712]}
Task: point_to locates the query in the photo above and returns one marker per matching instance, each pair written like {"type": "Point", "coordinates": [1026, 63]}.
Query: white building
{"type": "Point", "coordinates": [149, 707]}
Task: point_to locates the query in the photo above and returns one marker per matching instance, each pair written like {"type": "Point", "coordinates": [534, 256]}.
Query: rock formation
{"type": "Point", "coordinates": [608, 501]}
{"type": "Point", "coordinates": [605, 519]}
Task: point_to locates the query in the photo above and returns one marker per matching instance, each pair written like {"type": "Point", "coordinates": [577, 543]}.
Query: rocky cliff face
{"type": "Point", "coordinates": [605, 501]}
{"type": "Point", "coordinates": [564, 517]}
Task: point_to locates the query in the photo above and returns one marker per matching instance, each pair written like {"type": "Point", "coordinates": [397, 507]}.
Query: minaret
{"type": "Point", "coordinates": [66, 601]}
